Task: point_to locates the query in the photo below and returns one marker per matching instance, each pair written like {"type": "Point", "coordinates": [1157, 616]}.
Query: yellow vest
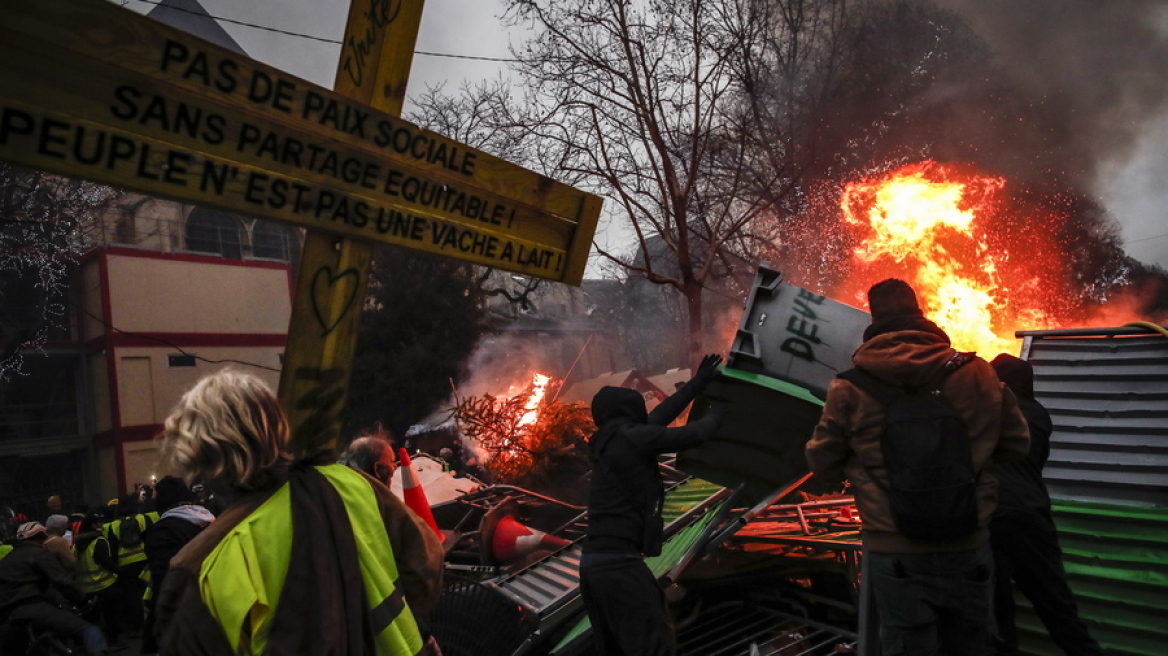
{"type": "Point", "coordinates": [241, 580]}
{"type": "Point", "coordinates": [92, 577]}
{"type": "Point", "coordinates": [4, 549]}
{"type": "Point", "coordinates": [128, 555]}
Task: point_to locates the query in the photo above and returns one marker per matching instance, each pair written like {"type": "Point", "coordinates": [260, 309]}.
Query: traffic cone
{"type": "Point", "coordinates": [513, 540]}
{"type": "Point", "coordinates": [414, 495]}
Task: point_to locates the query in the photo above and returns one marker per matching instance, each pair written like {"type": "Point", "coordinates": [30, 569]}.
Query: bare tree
{"type": "Point", "coordinates": [693, 117]}
{"type": "Point", "coordinates": [630, 99]}
{"type": "Point", "coordinates": [477, 116]}
{"type": "Point", "coordinates": [45, 224]}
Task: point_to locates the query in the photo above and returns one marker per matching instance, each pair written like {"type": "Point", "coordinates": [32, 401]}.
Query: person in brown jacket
{"type": "Point", "coordinates": [931, 596]}
{"type": "Point", "coordinates": [308, 557]}
{"type": "Point", "coordinates": [57, 542]}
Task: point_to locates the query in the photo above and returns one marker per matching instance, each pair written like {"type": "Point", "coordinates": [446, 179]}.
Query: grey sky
{"type": "Point", "coordinates": [1135, 189]}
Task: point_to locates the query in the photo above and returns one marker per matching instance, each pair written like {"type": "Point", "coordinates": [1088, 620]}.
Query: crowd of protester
{"type": "Point", "coordinates": [86, 572]}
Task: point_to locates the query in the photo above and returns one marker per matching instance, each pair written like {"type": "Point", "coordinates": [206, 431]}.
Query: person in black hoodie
{"type": "Point", "coordinates": [624, 602]}
{"type": "Point", "coordinates": [181, 520]}
{"type": "Point", "coordinates": [1023, 534]}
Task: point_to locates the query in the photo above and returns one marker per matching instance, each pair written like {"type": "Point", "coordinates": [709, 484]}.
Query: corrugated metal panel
{"type": "Point", "coordinates": [1107, 392]}
{"type": "Point", "coordinates": [1116, 559]}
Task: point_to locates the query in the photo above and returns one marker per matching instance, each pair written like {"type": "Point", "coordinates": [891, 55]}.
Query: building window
{"type": "Point", "coordinates": [212, 231]}
{"type": "Point", "coordinates": [273, 241]}
{"type": "Point", "coordinates": [180, 361]}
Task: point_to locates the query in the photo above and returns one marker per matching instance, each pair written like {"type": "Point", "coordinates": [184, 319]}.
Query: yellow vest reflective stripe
{"type": "Point", "coordinates": [240, 581]}
{"type": "Point", "coordinates": [393, 621]}
{"type": "Point", "coordinates": [92, 577]}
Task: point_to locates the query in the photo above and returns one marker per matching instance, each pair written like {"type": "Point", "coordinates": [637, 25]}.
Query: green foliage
{"type": "Point", "coordinates": [424, 316]}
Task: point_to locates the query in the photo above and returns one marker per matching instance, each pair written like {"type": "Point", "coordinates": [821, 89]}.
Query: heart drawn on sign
{"type": "Point", "coordinates": [333, 296]}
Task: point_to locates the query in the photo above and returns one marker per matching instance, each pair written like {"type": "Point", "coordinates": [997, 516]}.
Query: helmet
{"type": "Point", "coordinates": [29, 529]}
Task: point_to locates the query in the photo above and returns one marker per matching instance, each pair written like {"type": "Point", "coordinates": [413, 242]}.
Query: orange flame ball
{"type": "Point", "coordinates": [922, 223]}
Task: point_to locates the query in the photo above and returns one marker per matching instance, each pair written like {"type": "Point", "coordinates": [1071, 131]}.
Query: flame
{"type": "Point", "coordinates": [539, 384]}
{"type": "Point", "coordinates": [925, 224]}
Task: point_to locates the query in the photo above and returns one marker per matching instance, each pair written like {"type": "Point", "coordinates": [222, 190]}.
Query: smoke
{"type": "Point", "coordinates": [503, 363]}
{"type": "Point", "coordinates": [1092, 75]}
{"type": "Point", "coordinates": [1057, 98]}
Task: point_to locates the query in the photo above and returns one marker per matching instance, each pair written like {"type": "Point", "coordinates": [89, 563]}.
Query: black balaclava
{"type": "Point", "coordinates": [615, 403]}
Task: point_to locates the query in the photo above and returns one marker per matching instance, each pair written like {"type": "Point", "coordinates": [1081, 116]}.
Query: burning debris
{"type": "Point", "coordinates": [931, 225]}
{"type": "Point", "coordinates": [986, 256]}
{"type": "Point", "coordinates": [529, 439]}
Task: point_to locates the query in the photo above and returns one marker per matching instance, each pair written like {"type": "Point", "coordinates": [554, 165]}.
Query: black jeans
{"type": "Point", "coordinates": [108, 612]}
{"type": "Point", "coordinates": [626, 606]}
{"type": "Point", "coordinates": [934, 603]}
{"type": "Point", "coordinates": [1026, 552]}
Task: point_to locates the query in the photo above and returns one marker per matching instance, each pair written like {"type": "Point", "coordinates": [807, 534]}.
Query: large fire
{"type": "Point", "coordinates": [539, 384]}
{"type": "Point", "coordinates": [520, 435]}
{"type": "Point", "coordinates": [928, 225]}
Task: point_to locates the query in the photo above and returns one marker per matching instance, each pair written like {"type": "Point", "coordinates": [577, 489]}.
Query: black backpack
{"type": "Point", "coordinates": [932, 484]}
{"type": "Point", "coordinates": [129, 532]}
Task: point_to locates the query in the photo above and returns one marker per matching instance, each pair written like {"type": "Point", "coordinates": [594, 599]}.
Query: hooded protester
{"type": "Point", "coordinates": [308, 557]}
{"type": "Point", "coordinates": [624, 602]}
{"type": "Point", "coordinates": [30, 576]}
{"type": "Point", "coordinates": [932, 596]}
{"type": "Point", "coordinates": [182, 518]}
{"type": "Point", "coordinates": [1024, 537]}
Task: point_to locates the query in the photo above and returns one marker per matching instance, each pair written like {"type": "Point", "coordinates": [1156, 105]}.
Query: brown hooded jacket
{"type": "Point", "coordinates": [846, 443]}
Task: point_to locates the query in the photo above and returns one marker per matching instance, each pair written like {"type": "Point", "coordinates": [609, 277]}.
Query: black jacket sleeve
{"type": "Point", "coordinates": [672, 407]}
{"type": "Point", "coordinates": [658, 439]}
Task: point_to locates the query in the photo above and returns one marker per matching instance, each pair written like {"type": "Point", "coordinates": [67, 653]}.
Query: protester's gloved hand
{"type": "Point", "coordinates": [708, 369]}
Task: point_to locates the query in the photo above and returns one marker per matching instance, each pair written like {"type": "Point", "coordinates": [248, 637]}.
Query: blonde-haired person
{"type": "Point", "coordinates": [308, 557]}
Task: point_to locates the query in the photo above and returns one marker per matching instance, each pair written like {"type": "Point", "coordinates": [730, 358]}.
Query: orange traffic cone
{"type": "Point", "coordinates": [414, 495]}
{"type": "Point", "coordinates": [513, 540]}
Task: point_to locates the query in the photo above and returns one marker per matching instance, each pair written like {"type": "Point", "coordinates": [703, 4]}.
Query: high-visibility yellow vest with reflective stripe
{"type": "Point", "coordinates": [92, 577]}
{"type": "Point", "coordinates": [137, 552]}
{"type": "Point", "coordinates": [241, 580]}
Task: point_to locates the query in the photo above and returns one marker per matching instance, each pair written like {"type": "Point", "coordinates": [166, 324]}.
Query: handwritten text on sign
{"type": "Point", "coordinates": [211, 127]}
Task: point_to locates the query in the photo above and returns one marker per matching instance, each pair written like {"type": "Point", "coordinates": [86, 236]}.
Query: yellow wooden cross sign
{"type": "Point", "coordinates": [96, 91]}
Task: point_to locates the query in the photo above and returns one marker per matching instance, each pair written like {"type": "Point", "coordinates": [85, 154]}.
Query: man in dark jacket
{"type": "Point", "coordinates": [623, 599]}
{"type": "Point", "coordinates": [1023, 535]}
{"type": "Point", "coordinates": [29, 577]}
{"type": "Point", "coordinates": [932, 597]}
{"type": "Point", "coordinates": [181, 520]}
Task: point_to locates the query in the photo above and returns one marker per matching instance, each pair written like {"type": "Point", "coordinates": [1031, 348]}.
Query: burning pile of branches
{"type": "Point", "coordinates": [530, 441]}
